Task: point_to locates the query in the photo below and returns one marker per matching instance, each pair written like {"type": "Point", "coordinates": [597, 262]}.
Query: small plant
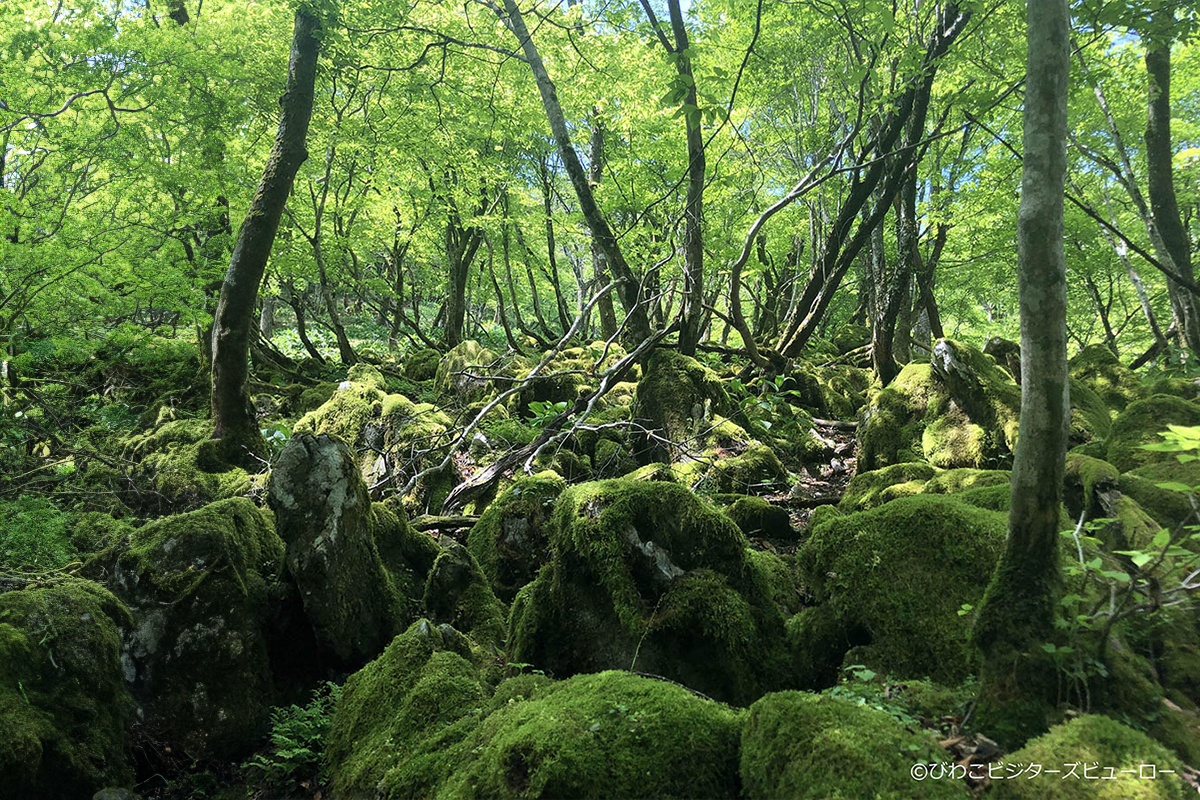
{"type": "Point", "coordinates": [276, 437]}
{"type": "Point", "coordinates": [294, 762]}
{"type": "Point", "coordinates": [542, 412]}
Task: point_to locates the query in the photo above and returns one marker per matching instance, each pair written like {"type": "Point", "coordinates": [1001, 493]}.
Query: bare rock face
{"type": "Point", "coordinates": [355, 564]}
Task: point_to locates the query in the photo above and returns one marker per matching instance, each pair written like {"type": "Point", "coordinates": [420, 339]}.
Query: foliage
{"type": "Point", "coordinates": [34, 535]}
{"type": "Point", "coordinates": [295, 760]}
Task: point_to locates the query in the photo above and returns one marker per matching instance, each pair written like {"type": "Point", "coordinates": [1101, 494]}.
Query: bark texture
{"type": "Point", "coordinates": [1017, 614]}
{"type": "Point", "coordinates": [234, 424]}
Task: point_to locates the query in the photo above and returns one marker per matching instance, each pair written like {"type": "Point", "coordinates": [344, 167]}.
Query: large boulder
{"type": "Point", "coordinates": [457, 593]}
{"type": "Point", "coordinates": [63, 699]}
{"type": "Point", "coordinates": [200, 587]}
{"type": "Point", "coordinates": [893, 579]}
{"type": "Point", "coordinates": [1099, 368]}
{"type": "Point", "coordinates": [358, 567]}
{"type": "Point", "coordinates": [1092, 746]}
{"type": "Point", "coordinates": [394, 437]}
{"type": "Point", "coordinates": [801, 745]}
{"type": "Point", "coordinates": [421, 721]}
{"type": "Point", "coordinates": [960, 410]}
{"type": "Point", "coordinates": [510, 541]}
{"type": "Point", "coordinates": [646, 576]}
{"type": "Point", "coordinates": [464, 371]}
{"type": "Point", "coordinates": [677, 398]}
{"type": "Point", "coordinates": [1140, 423]}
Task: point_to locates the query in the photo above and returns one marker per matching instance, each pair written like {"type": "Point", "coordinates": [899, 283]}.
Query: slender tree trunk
{"type": "Point", "coordinates": [1164, 207]}
{"type": "Point", "coordinates": [608, 317]}
{"type": "Point", "coordinates": [1017, 614]}
{"type": "Point", "coordinates": [631, 295]}
{"type": "Point", "coordinates": [234, 424]}
{"type": "Point", "coordinates": [693, 210]}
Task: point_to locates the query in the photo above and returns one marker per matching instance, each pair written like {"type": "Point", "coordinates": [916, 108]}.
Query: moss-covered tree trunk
{"type": "Point", "coordinates": [1017, 615]}
{"type": "Point", "coordinates": [234, 425]}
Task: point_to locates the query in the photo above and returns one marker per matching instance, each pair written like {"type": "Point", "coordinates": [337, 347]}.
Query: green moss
{"type": "Point", "coordinates": [800, 745]}
{"type": "Point", "coordinates": [510, 541]}
{"type": "Point", "coordinates": [200, 586]}
{"type": "Point", "coordinates": [1099, 743]}
{"type": "Point", "coordinates": [870, 489]}
{"type": "Point", "coordinates": [609, 735]}
{"type": "Point", "coordinates": [1091, 449]}
{"type": "Point", "coordinates": [421, 685]}
{"type": "Point", "coordinates": [992, 498]}
{"type": "Point", "coordinates": [901, 572]}
{"type": "Point", "coordinates": [612, 459]}
{"type": "Point", "coordinates": [1140, 423]}
{"type": "Point", "coordinates": [62, 697]}
{"type": "Point", "coordinates": [1167, 507]}
{"type": "Point", "coordinates": [462, 371]}
{"type": "Point", "coordinates": [1097, 367]}
{"type": "Point", "coordinates": [894, 418]}
{"type": "Point", "coordinates": [457, 593]}
{"type": "Point", "coordinates": [422, 365]}
{"type": "Point", "coordinates": [676, 397]}
{"type": "Point", "coordinates": [779, 579]}
{"type": "Point", "coordinates": [35, 535]}
{"type": "Point", "coordinates": [955, 481]}
{"type": "Point", "coordinates": [95, 531]}
{"type": "Point", "coordinates": [647, 574]}
{"type": "Point", "coordinates": [953, 440]}
{"type": "Point", "coordinates": [175, 460]}
{"type": "Point", "coordinates": [850, 337]}
{"type": "Point", "coordinates": [1091, 420]}
{"type": "Point", "coordinates": [1179, 387]}
{"type": "Point", "coordinates": [757, 517]}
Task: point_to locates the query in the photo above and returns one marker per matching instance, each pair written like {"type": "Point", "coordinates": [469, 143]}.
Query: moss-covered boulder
{"type": "Point", "coordinates": [1090, 746]}
{"type": "Point", "coordinates": [422, 365]}
{"type": "Point", "coordinates": [876, 487]}
{"type": "Point", "coordinates": [393, 437]}
{"type": "Point", "coordinates": [200, 587]}
{"type": "Point", "coordinates": [463, 372]}
{"type": "Point", "coordinates": [420, 722]}
{"type": "Point", "coordinates": [676, 399]}
{"type": "Point", "coordinates": [850, 336]}
{"type": "Point", "coordinates": [510, 541]}
{"type": "Point", "coordinates": [1140, 423]}
{"type": "Point", "coordinates": [180, 472]}
{"type": "Point", "coordinates": [801, 745]}
{"type": "Point", "coordinates": [63, 700]}
{"type": "Point", "coordinates": [1091, 420]}
{"type": "Point", "coordinates": [612, 459]}
{"type": "Point", "coordinates": [896, 576]}
{"type": "Point", "coordinates": [751, 467]}
{"type": "Point", "coordinates": [964, 479]}
{"type": "Point", "coordinates": [1101, 370]}
{"type": "Point", "coordinates": [457, 593]}
{"type": "Point", "coordinates": [960, 411]}
{"type": "Point", "coordinates": [1006, 353]}
{"type": "Point", "coordinates": [757, 517]}
{"type": "Point", "coordinates": [357, 566]}
{"type": "Point", "coordinates": [646, 576]}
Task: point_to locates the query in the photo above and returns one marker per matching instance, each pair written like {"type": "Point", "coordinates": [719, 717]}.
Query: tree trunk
{"type": "Point", "coordinates": [631, 296]}
{"type": "Point", "coordinates": [693, 210]}
{"type": "Point", "coordinates": [1164, 208]}
{"type": "Point", "coordinates": [1017, 614]}
{"type": "Point", "coordinates": [608, 317]}
{"type": "Point", "coordinates": [234, 424]}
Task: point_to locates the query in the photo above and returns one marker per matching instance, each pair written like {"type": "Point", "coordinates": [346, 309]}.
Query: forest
{"type": "Point", "coordinates": [599, 399]}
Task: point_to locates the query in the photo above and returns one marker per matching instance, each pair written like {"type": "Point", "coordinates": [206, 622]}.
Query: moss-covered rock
{"type": "Point", "coordinates": [1096, 744]}
{"type": "Point", "coordinates": [63, 698]}
{"type": "Point", "coordinates": [457, 593]}
{"type": "Point", "coordinates": [874, 488]}
{"type": "Point", "coordinates": [612, 459]}
{"type": "Point", "coordinates": [1179, 387]}
{"type": "Point", "coordinates": [419, 722]}
{"type": "Point", "coordinates": [422, 365]}
{"type": "Point", "coordinates": [609, 735]}
{"type": "Point", "coordinates": [646, 576]}
{"type": "Point", "coordinates": [757, 517]}
{"type": "Point", "coordinates": [1100, 369]}
{"type": "Point", "coordinates": [1166, 506]}
{"type": "Point", "coordinates": [801, 745]}
{"type": "Point", "coordinates": [1091, 419]}
{"type": "Point", "coordinates": [676, 398]}
{"type": "Point", "coordinates": [173, 461]}
{"type": "Point", "coordinates": [849, 337]}
{"type": "Point", "coordinates": [900, 573]}
{"type": "Point", "coordinates": [963, 479]}
{"type": "Point", "coordinates": [394, 438]}
{"type": "Point", "coordinates": [462, 372]}
{"type": "Point", "coordinates": [756, 468]}
{"type": "Point", "coordinates": [358, 567]}
{"type": "Point", "coordinates": [1140, 423]}
{"type": "Point", "coordinates": [510, 541]}
{"type": "Point", "coordinates": [200, 587]}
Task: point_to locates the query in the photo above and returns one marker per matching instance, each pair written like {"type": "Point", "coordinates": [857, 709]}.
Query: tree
{"type": "Point", "coordinates": [234, 426]}
{"type": "Point", "coordinates": [1017, 614]}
